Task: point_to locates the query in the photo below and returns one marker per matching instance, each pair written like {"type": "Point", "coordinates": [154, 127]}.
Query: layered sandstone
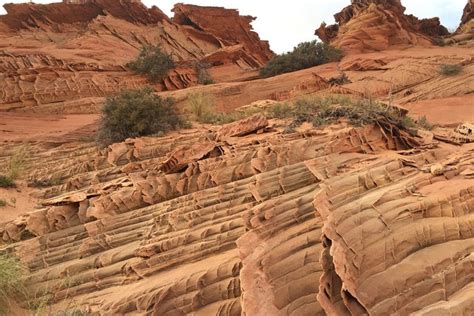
{"type": "Point", "coordinates": [261, 223]}
{"type": "Point", "coordinates": [375, 25]}
{"type": "Point", "coordinates": [59, 53]}
{"type": "Point", "coordinates": [227, 25]}
{"type": "Point", "coordinates": [465, 31]}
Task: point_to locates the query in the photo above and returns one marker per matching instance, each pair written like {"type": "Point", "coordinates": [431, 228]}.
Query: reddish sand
{"type": "Point", "coordinates": [18, 200]}
{"type": "Point", "coordinates": [35, 127]}
{"type": "Point", "coordinates": [447, 111]}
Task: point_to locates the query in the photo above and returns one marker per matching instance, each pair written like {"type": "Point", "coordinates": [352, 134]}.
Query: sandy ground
{"type": "Point", "coordinates": [18, 201]}
{"type": "Point", "coordinates": [448, 111]}
{"type": "Point", "coordinates": [27, 127]}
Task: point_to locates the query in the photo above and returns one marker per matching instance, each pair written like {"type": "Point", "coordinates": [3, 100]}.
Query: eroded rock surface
{"type": "Point", "coordinates": [375, 25]}
{"type": "Point", "coordinates": [465, 31]}
{"type": "Point", "coordinates": [59, 55]}
{"type": "Point", "coordinates": [262, 223]}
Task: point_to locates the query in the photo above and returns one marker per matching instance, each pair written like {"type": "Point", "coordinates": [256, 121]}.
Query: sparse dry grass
{"type": "Point", "coordinates": [449, 69]}
{"type": "Point", "coordinates": [10, 281]}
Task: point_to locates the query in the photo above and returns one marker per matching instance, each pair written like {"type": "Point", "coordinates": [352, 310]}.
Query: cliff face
{"type": "Point", "coordinates": [374, 25]}
{"type": "Point", "coordinates": [53, 54]}
{"type": "Point", "coordinates": [468, 13]}
{"type": "Point", "coordinates": [56, 15]}
{"type": "Point", "coordinates": [227, 25]}
{"type": "Point", "coordinates": [465, 30]}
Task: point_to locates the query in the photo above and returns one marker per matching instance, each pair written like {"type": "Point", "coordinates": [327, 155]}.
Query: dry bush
{"type": "Point", "coordinates": [201, 107]}
{"type": "Point", "coordinates": [11, 283]}
{"type": "Point", "coordinates": [449, 69]}
{"type": "Point", "coordinates": [204, 77]}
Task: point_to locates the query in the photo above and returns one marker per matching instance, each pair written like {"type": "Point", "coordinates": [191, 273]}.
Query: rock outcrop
{"type": "Point", "coordinates": [468, 13]}
{"type": "Point", "coordinates": [227, 26]}
{"type": "Point", "coordinates": [337, 221]}
{"type": "Point", "coordinates": [465, 30]}
{"type": "Point", "coordinates": [52, 54]}
{"type": "Point", "coordinates": [375, 25]}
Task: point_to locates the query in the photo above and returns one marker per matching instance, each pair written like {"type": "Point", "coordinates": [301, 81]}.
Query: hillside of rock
{"type": "Point", "coordinates": [376, 25]}
{"type": "Point", "coordinates": [69, 54]}
{"type": "Point", "coordinates": [261, 216]}
{"type": "Point", "coordinates": [245, 219]}
{"type": "Point", "coordinates": [465, 30]}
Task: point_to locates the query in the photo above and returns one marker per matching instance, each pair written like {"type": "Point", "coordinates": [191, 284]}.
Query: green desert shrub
{"type": "Point", "coordinates": [136, 113]}
{"type": "Point", "coordinates": [6, 182]}
{"type": "Point", "coordinates": [407, 122]}
{"type": "Point", "coordinates": [305, 55]}
{"type": "Point", "coordinates": [450, 69]}
{"type": "Point", "coordinates": [153, 62]}
{"type": "Point", "coordinates": [424, 123]}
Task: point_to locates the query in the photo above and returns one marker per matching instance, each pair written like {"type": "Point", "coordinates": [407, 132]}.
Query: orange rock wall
{"type": "Point", "coordinates": [59, 52]}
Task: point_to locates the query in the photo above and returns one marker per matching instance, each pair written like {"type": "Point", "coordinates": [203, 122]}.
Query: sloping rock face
{"type": "Point", "coordinates": [53, 54]}
{"type": "Point", "coordinates": [375, 25]}
{"type": "Point", "coordinates": [468, 13]}
{"type": "Point", "coordinates": [227, 25]}
{"type": "Point", "coordinates": [338, 221]}
{"type": "Point", "coordinates": [465, 30]}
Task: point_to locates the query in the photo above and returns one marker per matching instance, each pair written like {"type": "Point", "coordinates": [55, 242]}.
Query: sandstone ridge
{"type": "Point", "coordinates": [375, 25]}
{"type": "Point", "coordinates": [77, 52]}
{"type": "Point", "coordinates": [246, 219]}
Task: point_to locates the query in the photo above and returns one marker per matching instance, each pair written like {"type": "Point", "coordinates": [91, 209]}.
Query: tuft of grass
{"type": "Point", "coordinates": [15, 167]}
{"type": "Point", "coordinates": [17, 163]}
{"type": "Point", "coordinates": [449, 69]}
{"type": "Point", "coordinates": [201, 107]}
{"type": "Point", "coordinates": [280, 111]}
{"type": "Point", "coordinates": [424, 123]}
{"type": "Point", "coordinates": [408, 122]}
{"type": "Point", "coordinates": [6, 182]}
{"type": "Point", "coordinates": [72, 312]}
{"type": "Point", "coordinates": [11, 283]}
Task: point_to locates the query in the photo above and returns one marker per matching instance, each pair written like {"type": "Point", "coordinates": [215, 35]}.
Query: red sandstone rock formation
{"type": "Point", "coordinates": [335, 221]}
{"type": "Point", "coordinates": [468, 13]}
{"type": "Point", "coordinates": [227, 25]}
{"type": "Point", "coordinates": [78, 51]}
{"type": "Point", "coordinates": [374, 25]}
{"type": "Point", "coordinates": [465, 30]}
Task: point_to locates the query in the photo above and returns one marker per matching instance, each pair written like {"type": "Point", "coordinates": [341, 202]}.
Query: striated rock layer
{"type": "Point", "coordinates": [375, 25]}
{"type": "Point", "coordinates": [248, 220]}
{"type": "Point", "coordinates": [465, 30]}
{"type": "Point", "coordinates": [58, 53]}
